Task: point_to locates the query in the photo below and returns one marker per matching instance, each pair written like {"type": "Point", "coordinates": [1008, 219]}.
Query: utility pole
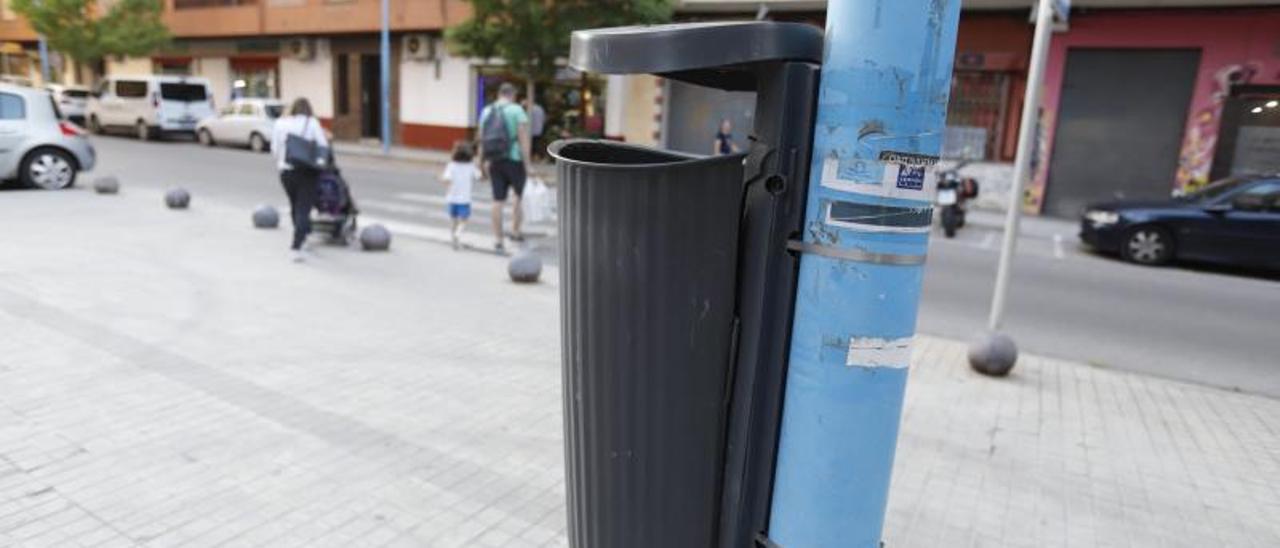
{"type": "Point", "coordinates": [995, 353]}
{"type": "Point", "coordinates": [44, 60]}
{"type": "Point", "coordinates": [43, 47]}
{"type": "Point", "coordinates": [886, 79]}
{"type": "Point", "coordinates": [385, 69]}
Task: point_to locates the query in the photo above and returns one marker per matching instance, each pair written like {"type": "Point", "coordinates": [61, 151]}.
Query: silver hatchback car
{"type": "Point", "coordinates": [38, 147]}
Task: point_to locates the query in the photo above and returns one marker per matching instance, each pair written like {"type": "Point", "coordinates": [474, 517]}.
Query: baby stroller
{"type": "Point", "coordinates": [335, 212]}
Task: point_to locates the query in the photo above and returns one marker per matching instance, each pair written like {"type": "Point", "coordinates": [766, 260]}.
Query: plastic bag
{"type": "Point", "coordinates": [536, 201]}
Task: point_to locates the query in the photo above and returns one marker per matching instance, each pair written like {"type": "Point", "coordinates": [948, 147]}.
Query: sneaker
{"type": "Point", "coordinates": [299, 256]}
{"type": "Point", "coordinates": [498, 247]}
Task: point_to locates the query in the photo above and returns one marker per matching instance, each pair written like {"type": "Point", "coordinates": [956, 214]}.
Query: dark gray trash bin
{"type": "Point", "coordinates": [649, 241]}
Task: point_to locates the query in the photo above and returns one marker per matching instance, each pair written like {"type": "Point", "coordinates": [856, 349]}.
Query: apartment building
{"type": "Point", "coordinates": [325, 50]}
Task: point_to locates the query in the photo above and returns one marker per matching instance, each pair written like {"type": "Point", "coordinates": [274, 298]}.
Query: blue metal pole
{"type": "Point", "coordinates": [44, 60]}
{"type": "Point", "coordinates": [886, 78]}
{"type": "Point", "coordinates": [385, 58]}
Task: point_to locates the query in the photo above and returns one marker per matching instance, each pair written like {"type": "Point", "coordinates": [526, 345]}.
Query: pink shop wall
{"type": "Point", "coordinates": [1238, 46]}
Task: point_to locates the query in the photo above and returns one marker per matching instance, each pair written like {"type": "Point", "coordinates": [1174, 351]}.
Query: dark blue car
{"type": "Point", "coordinates": [1234, 221]}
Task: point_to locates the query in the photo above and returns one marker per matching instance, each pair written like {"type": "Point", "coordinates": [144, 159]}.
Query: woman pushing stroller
{"type": "Point", "coordinates": [301, 183]}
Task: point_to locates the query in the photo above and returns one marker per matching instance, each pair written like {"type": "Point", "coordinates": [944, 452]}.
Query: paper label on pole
{"type": "Point", "coordinates": [895, 175]}
{"type": "Point", "coordinates": [878, 352]}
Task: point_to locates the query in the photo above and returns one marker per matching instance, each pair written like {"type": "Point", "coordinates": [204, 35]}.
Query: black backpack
{"type": "Point", "coordinates": [495, 138]}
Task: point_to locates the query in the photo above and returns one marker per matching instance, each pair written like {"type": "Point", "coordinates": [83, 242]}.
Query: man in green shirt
{"type": "Point", "coordinates": [504, 157]}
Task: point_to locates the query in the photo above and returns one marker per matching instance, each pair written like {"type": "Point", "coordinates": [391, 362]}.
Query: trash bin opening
{"type": "Point", "coordinates": [612, 153]}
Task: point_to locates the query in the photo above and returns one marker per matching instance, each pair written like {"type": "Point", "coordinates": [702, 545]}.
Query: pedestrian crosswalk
{"type": "Point", "coordinates": [425, 216]}
{"type": "Point", "coordinates": [1057, 247]}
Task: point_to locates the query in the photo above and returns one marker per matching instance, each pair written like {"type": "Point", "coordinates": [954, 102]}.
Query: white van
{"type": "Point", "coordinates": [150, 106]}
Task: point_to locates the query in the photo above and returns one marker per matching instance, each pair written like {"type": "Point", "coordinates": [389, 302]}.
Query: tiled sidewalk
{"type": "Point", "coordinates": [1064, 454]}
{"type": "Point", "coordinates": [169, 379]}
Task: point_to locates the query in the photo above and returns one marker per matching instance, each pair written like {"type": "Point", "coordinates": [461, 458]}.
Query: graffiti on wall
{"type": "Point", "coordinates": [1033, 196]}
{"type": "Point", "coordinates": [1196, 158]}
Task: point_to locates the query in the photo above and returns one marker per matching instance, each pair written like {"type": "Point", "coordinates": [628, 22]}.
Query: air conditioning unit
{"type": "Point", "coordinates": [302, 49]}
{"type": "Point", "coordinates": [419, 47]}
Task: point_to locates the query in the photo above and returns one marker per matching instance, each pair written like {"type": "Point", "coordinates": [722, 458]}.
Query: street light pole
{"type": "Point", "coordinates": [886, 78]}
{"type": "Point", "coordinates": [994, 352]}
{"type": "Point", "coordinates": [385, 69]}
{"type": "Point", "coordinates": [43, 47]}
{"type": "Point", "coordinates": [44, 60]}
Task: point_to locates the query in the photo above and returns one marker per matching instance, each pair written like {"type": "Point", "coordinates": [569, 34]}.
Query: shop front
{"type": "Point", "coordinates": [1140, 103]}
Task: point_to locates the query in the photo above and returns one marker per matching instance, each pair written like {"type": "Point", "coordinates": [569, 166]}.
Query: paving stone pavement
{"type": "Point", "coordinates": [168, 378]}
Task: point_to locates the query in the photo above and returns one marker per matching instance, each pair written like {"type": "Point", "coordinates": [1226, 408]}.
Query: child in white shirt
{"type": "Point", "coordinates": [461, 173]}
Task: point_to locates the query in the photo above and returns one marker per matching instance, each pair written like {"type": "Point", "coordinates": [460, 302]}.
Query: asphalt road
{"type": "Point", "coordinates": [1211, 327]}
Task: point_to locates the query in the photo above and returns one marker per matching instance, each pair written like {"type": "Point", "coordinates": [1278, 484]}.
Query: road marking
{"type": "Point", "coordinates": [442, 235]}
{"type": "Point", "coordinates": [438, 200]}
{"type": "Point", "coordinates": [391, 206]}
{"type": "Point", "coordinates": [438, 234]}
{"type": "Point", "coordinates": [1057, 247]}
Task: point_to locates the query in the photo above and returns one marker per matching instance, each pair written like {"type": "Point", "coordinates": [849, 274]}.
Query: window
{"type": "Point", "coordinates": [75, 93]}
{"type": "Point", "coordinates": [187, 93]}
{"type": "Point", "coordinates": [274, 111]}
{"type": "Point", "coordinates": [976, 115]}
{"type": "Point", "coordinates": [247, 109]}
{"type": "Point", "coordinates": [12, 107]}
{"type": "Point", "coordinates": [103, 89]}
{"type": "Point", "coordinates": [227, 110]}
{"type": "Point", "coordinates": [1216, 189]}
{"type": "Point", "coordinates": [1262, 197]}
{"type": "Point", "coordinates": [131, 89]}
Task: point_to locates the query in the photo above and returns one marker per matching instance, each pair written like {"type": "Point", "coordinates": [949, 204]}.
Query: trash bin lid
{"type": "Point", "coordinates": [717, 55]}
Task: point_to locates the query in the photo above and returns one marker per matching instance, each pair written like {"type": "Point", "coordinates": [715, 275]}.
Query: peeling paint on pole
{"type": "Point", "coordinates": [882, 105]}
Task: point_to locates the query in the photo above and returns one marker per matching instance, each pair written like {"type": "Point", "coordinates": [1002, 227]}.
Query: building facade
{"type": "Point", "coordinates": [1141, 98]}
{"type": "Point", "coordinates": [1140, 102]}
{"type": "Point", "coordinates": [325, 50]}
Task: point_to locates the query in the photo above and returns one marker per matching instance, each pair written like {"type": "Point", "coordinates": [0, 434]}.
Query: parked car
{"type": "Point", "coordinates": [245, 122]}
{"type": "Point", "coordinates": [1234, 221]}
{"type": "Point", "coordinates": [72, 101]}
{"type": "Point", "coordinates": [38, 147]}
{"type": "Point", "coordinates": [150, 106]}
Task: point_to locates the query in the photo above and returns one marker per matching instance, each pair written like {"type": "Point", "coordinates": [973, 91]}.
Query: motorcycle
{"type": "Point", "coordinates": [953, 192]}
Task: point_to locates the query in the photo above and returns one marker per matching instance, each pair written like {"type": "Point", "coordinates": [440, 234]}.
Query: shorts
{"type": "Point", "coordinates": [460, 211]}
{"type": "Point", "coordinates": [506, 174]}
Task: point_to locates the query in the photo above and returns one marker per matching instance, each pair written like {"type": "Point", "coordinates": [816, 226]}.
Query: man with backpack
{"type": "Point", "coordinates": [504, 157]}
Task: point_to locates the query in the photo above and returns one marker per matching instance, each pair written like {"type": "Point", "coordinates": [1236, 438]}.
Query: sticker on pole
{"type": "Point", "coordinates": [879, 218]}
{"type": "Point", "coordinates": [879, 352]}
{"type": "Point", "coordinates": [899, 175]}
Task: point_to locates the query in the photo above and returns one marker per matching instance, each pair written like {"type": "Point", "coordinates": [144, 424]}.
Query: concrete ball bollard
{"type": "Point", "coordinates": [375, 238]}
{"type": "Point", "coordinates": [266, 216]}
{"type": "Point", "coordinates": [525, 267]}
{"type": "Point", "coordinates": [993, 354]}
{"type": "Point", "coordinates": [177, 198]}
{"type": "Point", "coordinates": [106, 185]}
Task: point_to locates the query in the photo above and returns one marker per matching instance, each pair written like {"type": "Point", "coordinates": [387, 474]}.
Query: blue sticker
{"type": "Point", "coordinates": [911, 178]}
